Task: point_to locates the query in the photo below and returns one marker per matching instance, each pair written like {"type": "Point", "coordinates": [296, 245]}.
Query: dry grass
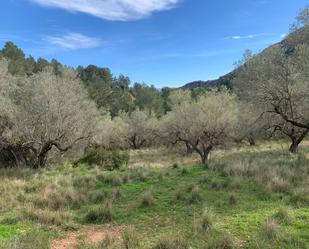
{"type": "Point", "coordinates": [160, 158]}
{"type": "Point", "coordinates": [148, 198]}
{"type": "Point", "coordinates": [48, 217]}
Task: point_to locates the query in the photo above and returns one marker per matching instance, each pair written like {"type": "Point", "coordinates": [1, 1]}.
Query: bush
{"type": "Point", "coordinates": [232, 199]}
{"type": "Point", "coordinates": [184, 171]}
{"type": "Point", "coordinates": [168, 243]}
{"type": "Point", "coordinates": [219, 241]}
{"type": "Point", "coordinates": [143, 176]}
{"type": "Point", "coordinates": [48, 217]}
{"type": "Point", "coordinates": [206, 222]}
{"type": "Point", "coordinates": [117, 194]}
{"type": "Point", "coordinates": [115, 181]}
{"type": "Point", "coordinates": [130, 238]}
{"type": "Point", "coordinates": [84, 181]}
{"type": "Point", "coordinates": [300, 196]}
{"type": "Point", "coordinates": [97, 196]}
{"type": "Point", "coordinates": [33, 239]}
{"type": "Point", "coordinates": [126, 178]}
{"type": "Point", "coordinates": [195, 195]}
{"type": "Point", "coordinates": [270, 229]}
{"type": "Point", "coordinates": [100, 214]}
{"type": "Point", "coordinates": [179, 195]}
{"type": "Point", "coordinates": [204, 180]}
{"type": "Point", "coordinates": [148, 198]}
{"type": "Point", "coordinates": [107, 159]}
{"type": "Point", "coordinates": [282, 216]}
{"type": "Point", "coordinates": [161, 176]}
{"type": "Point", "coordinates": [175, 166]}
{"type": "Point", "coordinates": [56, 197]}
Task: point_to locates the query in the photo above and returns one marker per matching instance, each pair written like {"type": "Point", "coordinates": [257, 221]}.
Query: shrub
{"type": "Point", "coordinates": [107, 243]}
{"type": "Point", "coordinates": [169, 243]}
{"type": "Point", "coordinates": [278, 184]}
{"type": "Point", "coordinates": [270, 229]}
{"type": "Point", "coordinates": [56, 197]}
{"type": "Point", "coordinates": [282, 216]}
{"type": "Point", "coordinates": [206, 221]}
{"type": "Point", "coordinates": [148, 198]}
{"type": "Point", "coordinates": [99, 214]}
{"type": "Point", "coordinates": [117, 194]}
{"type": "Point", "coordinates": [190, 187]}
{"type": "Point", "coordinates": [216, 185]}
{"type": "Point", "coordinates": [115, 181]}
{"type": "Point", "coordinates": [300, 196]}
{"type": "Point", "coordinates": [195, 195]}
{"type": "Point", "coordinates": [33, 239]}
{"type": "Point", "coordinates": [107, 159]}
{"type": "Point", "coordinates": [204, 179]}
{"type": "Point", "coordinates": [219, 241]}
{"type": "Point", "coordinates": [161, 176]}
{"type": "Point", "coordinates": [179, 195]}
{"type": "Point", "coordinates": [175, 166]}
{"type": "Point", "coordinates": [126, 178]}
{"type": "Point", "coordinates": [184, 171]}
{"type": "Point", "coordinates": [84, 181]}
{"type": "Point", "coordinates": [48, 217]}
{"type": "Point", "coordinates": [232, 199]}
{"type": "Point", "coordinates": [9, 220]}
{"type": "Point", "coordinates": [97, 196]}
{"type": "Point", "coordinates": [143, 176]}
{"type": "Point", "coordinates": [130, 238]}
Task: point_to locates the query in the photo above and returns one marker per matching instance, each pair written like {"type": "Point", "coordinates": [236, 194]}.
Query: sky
{"type": "Point", "coordinates": [159, 42]}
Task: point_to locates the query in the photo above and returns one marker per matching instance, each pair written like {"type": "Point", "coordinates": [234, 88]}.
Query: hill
{"type": "Point", "coordinates": [295, 38]}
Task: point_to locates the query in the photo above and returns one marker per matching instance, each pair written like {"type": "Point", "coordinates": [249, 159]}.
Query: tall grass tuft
{"type": "Point", "coordinates": [195, 195]}
{"type": "Point", "coordinates": [99, 214]}
{"type": "Point", "coordinates": [171, 243]}
{"type": "Point", "coordinates": [148, 198]}
{"type": "Point", "coordinates": [130, 238]}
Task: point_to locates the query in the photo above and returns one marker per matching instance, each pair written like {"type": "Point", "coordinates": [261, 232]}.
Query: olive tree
{"type": "Point", "coordinates": [204, 123]}
{"type": "Point", "coordinates": [111, 133]}
{"type": "Point", "coordinates": [140, 128]}
{"type": "Point", "coordinates": [50, 112]}
{"type": "Point", "coordinates": [248, 127]}
{"type": "Point", "coordinates": [276, 82]}
{"type": "Point", "coordinates": [10, 148]}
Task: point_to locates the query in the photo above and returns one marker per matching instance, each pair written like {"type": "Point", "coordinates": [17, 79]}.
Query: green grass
{"type": "Point", "coordinates": [243, 218]}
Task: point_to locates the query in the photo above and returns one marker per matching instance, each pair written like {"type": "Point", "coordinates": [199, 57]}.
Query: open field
{"type": "Point", "coordinates": [248, 198]}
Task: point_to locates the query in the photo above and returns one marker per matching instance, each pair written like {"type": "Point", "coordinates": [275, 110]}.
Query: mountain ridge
{"type": "Point", "coordinates": [295, 38]}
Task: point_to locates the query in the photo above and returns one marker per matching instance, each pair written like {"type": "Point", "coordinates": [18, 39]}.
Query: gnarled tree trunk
{"type": "Point", "coordinates": [204, 153]}
{"type": "Point", "coordinates": [296, 142]}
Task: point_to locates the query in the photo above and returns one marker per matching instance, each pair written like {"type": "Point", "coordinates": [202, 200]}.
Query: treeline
{"type": "Point", "coordinates": [53, 108]}
{"type": "Point", "coordinates": [114, 94]}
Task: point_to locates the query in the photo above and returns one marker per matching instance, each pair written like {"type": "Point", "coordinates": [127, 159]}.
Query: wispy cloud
{"type": "Point", "coordinates": [73, 41]}
{"type": "Point", "coordinates": [121, 10]}
{"type": "Point", "coordinates": [256, 36]}
{"type": "Point", "coordinates": [199, 54]}
{"type": "Point", "coordinates": [251, 36]}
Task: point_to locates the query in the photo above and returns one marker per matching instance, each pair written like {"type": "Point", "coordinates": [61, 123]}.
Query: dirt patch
{"type": "Point", "coordinates": [69, 242]}
{"type": "Point", "coordinates": [89, 234]}
{"type": "Point", "coordinates": [98, 234]}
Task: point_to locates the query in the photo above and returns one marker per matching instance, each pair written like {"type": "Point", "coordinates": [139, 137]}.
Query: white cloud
{"type": "Point", "coordinates": [283, 35]}
{"type": "Point", "coordinates": [121, 10]}
{"type": "Point", "coordinates": [239, 37]}
{"type": "Point", "coordinates": [73, 41]}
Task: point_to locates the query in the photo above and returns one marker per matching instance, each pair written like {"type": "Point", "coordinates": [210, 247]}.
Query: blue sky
{"type": "Point", "coordinates": [160, 42]}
